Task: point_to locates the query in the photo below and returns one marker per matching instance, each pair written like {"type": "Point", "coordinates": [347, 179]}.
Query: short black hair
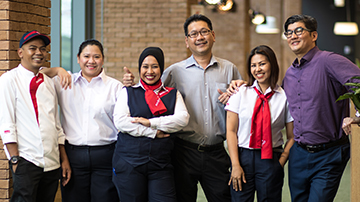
{"type": "Point", "coordinates": [194, 18]}
{"type": "Point", "coordinates": [274, 66]}
{"type": "Point", "coordinates": [310, 22]}
{"type": "Point", "coordinates": [91, 42]}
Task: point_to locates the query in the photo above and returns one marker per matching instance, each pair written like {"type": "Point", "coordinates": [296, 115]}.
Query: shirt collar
{"type": "Point", "coordinates": [268, 90]}
{"type": "Point", "coordinates": [306, 58]}
{"type": "Point", "coordinates": [101, 76]}
{"type": "Point", "coordinates": [190, 62]}
{"type": "Point", "coordinates": [162, 87]}
{"type": "Point", "coordinates": [26, 71]}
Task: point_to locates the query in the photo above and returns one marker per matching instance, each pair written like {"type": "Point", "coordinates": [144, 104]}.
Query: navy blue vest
{"type": "Point", "coordinates": [140, 150]}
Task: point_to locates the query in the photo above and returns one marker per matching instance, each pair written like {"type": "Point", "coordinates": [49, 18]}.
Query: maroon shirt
{"type": "Point", "coordinates": [312, 88]}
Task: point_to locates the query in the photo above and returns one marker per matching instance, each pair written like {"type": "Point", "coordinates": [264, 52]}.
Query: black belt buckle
{"type": "Point", "coordinates": [313, 149]}
{"type": "Point", "coordinates": [201, 148]}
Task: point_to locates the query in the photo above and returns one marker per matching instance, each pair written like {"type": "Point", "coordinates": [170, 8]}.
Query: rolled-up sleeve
{"type": "Point", "coordinates": [7, 109]}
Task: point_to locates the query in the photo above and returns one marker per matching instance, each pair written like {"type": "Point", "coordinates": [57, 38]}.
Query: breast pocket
{"type": "Point", "coordinates": [222, 87]}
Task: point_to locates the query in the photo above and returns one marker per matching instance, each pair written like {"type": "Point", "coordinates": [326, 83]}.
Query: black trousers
{"type": "Point", "coordinates": [210, 168]}
{"type": "Point", "coordinates": [32, 184]}
{"type": "Point", "coordinates": [147, 182]}
{"type": "Point", "coordinates": [91, 174]}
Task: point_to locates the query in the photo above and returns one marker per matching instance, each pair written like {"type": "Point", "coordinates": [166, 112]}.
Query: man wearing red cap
{"type": "Point", "coordinates": [29, 124]}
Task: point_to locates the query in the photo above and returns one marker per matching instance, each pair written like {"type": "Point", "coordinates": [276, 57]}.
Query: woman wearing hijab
{"type": "Point", "coordinates": [146, 114]}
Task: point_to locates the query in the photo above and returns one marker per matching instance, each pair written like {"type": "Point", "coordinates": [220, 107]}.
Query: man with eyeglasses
{"type": "Point", "coordinates": [312, 84]}
{"type": "Point", "coordinates": [199, 154]}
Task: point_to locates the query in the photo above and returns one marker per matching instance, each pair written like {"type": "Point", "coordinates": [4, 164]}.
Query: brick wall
{"type": "Point", "coordinates": [129, 26]}
{"type": "Point", "coordinates": [16, 18]}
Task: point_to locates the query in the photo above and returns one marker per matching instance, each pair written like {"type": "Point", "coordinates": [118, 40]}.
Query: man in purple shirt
{"type": "Point", "coordinates": [312, 84]}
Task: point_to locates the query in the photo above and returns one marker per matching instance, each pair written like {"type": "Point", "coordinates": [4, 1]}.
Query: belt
{"type": "Point", "coordinates": [320, 147]}
{"type": "Point", "coordinates": [200, 147]}
{"type": "Point", "coordinates": [90, 147]}
{"type": "Point", "coordinates": [278, 149]}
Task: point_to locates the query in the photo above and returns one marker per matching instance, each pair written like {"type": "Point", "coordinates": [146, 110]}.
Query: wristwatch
{"type": "Point", "coordinates": [14, 160]}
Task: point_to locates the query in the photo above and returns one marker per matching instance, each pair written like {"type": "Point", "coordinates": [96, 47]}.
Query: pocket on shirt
{"type": "Point", "coordinates": [222, 87]}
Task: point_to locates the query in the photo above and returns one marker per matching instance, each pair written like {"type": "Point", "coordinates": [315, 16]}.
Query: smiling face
{"type": "Point", "coordinates": [303, 43]}
{"type": "Point", "coordinates": [91, 61]}
{"type": "Point", "coordinates": [150, 71]}
{"type": "Point", "coordinates": [33, 54]}
{"type": "Point", "coordinates": [261, 70]}
{"type": "Point", "coordinates": [200, 45]}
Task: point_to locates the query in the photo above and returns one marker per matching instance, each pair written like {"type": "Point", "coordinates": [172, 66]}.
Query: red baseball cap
{"type": "Point", "coordinates": [32, 34]}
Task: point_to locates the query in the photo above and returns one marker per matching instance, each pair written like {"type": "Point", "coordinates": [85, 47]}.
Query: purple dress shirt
{"type": "Point", "coordinates": [312, 88]}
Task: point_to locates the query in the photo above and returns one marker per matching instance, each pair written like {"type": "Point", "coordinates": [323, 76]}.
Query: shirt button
{"type": "Point", "coordinates": [206, 97]}
{"type": "Point", "coordinates": [298, 81]}
{"type": "Point", "coordinates": [298, 94]}
{"type": "Point", "coordinates": [299, 121]}
{"type": "Point", "coordinates": [205, 123]}
{"type": "Point", "coordinates": [205, 84]}
{"type": "Point", "coordinates": [299, 107]}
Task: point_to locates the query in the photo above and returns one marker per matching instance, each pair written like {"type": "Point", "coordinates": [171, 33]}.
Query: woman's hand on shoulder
{"type": "Point", "coordinates": [234, 86]}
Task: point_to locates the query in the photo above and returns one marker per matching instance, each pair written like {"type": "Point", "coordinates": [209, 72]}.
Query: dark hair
{"type": "Point", "coordinates": [274, 67]}
{"type": "Point", "coordinates": [91, 42]}
{"type": "Point", "coordinates": [195, 18]}
{"type": "Point", "coordinates": [310, 22]}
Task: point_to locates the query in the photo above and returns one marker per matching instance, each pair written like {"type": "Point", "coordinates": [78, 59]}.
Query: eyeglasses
{"type": "Point", "coordinates": [203, 32]}
{"type": "Point", "coordinates": [298, 31]}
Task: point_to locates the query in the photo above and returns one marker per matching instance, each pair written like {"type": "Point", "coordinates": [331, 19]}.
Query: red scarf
{"type": "Point", "coordinates": [34, 85]}
{"type": "Point", "coordinates": [153, 100]}
{"type": "Point", "coordinates": [261, 126]}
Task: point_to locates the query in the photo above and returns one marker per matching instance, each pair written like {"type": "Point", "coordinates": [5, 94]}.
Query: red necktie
{"type": "Point", "coordinates": [260, 136]}
{"type": "Point", "coordinates": [34, 85]}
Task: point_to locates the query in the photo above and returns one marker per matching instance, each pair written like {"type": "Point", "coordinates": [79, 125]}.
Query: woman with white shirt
{"type": "Point", "coordinates": [256, 114]}
{"type": "Point", "coordinates": [145, 115]}
{"type": "Point", "coordinates": [87, 119]}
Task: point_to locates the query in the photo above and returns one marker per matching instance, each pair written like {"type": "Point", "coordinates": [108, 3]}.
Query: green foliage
{"type": "Point", "coordinates": [355, 94]}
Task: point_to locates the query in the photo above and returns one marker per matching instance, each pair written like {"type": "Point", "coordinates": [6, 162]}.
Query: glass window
{"type": "Point", "coordinates": [71, 23]}
{"type": "Point", "coordinates": [66, 23]}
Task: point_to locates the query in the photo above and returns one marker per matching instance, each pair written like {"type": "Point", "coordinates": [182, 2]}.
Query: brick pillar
{"type": "Point", "coordinates": [16, 18]}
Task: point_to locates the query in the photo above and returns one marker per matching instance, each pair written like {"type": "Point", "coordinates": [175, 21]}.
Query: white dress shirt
{"type": "Point", "coordinates": [167, 124]}
{"type": "Point", "coordinates": [37, 143]}
{"type": "Point", "coordinates": [243, 103]}
{"type": "Point", "coordinates": [87, 109]}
